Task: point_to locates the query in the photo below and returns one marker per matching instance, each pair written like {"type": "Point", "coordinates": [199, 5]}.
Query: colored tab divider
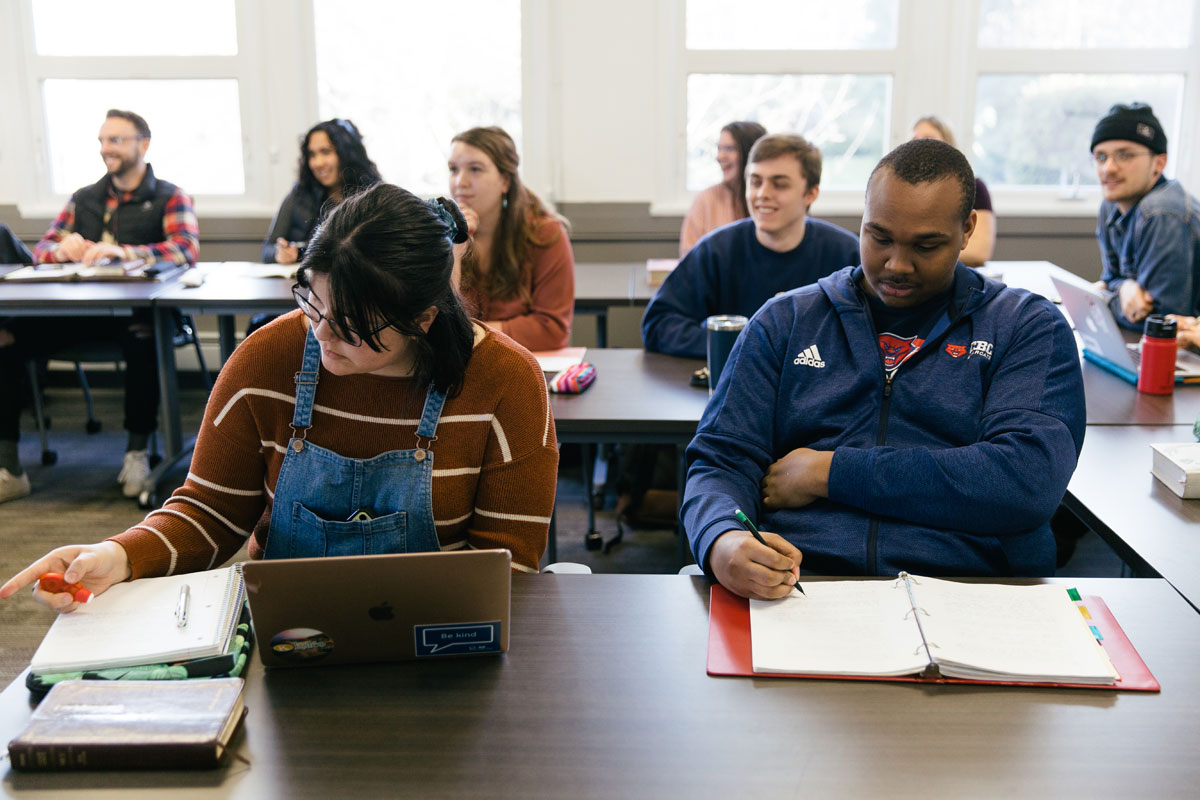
{"type": "Point", "coordinates": [1096, 633]}
{"type": "Point", "coordinates": [1084, 611]}
{"type": "Point", "coordinates": [1073, 593]}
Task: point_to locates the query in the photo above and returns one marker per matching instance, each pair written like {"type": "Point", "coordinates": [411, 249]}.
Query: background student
{"type": "Point", "coordinates": [128, 214]}
{"type": "Point", "coordinates": [1148, 227]}
{"type": "Point", "coordinates": [435, 427]}
{"type": "Point", "coordinates": [333, 162]}
{"type": "Point", "coordinates": [518, 275]}
{"type": "Point", "coordinates": [724, 202]}
{"type": "Point", "coordinates": [983, 241]}
{"type": "Point", "coordinates": [737, 268]}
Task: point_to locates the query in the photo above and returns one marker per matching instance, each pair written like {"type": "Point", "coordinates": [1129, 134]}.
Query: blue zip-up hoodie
{"type": "Point", "coordinates": [954, 467]}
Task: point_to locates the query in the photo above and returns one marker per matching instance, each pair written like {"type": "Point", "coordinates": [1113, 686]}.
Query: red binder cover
{"type": "Point", "coordinates": [729, 649]}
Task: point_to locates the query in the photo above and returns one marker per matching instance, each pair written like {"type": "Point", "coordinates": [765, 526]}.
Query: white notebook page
{"type": "Point", "coordinates": [838, 628]}
{"type": "Point", "coordinates": [1033, 631]}
{"type": "Point", "coordinates": [134, 623]}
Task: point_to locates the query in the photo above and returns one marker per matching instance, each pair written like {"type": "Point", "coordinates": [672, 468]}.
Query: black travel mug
{"type": "Point", "coordinates": [722, 331]}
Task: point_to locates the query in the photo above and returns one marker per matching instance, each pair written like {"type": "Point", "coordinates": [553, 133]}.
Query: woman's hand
{"type": "Point", "coordinates": [285, 254]}
{"type": "Point", "coordinates": [96, 566]}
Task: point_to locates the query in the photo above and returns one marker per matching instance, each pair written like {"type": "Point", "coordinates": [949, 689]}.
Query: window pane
{"type": "Point", "coordinates": [844, 115]}
{"type": "Point", "coordinates": [1036, 129]}
{"type": "Point", "coordinates": [1065, 24]}
{"type": "Point", "coordinates": [791, 25]}
{"type": "Point", "coordinates": [200, 151]}
{"type": "Point", "coordinates": [417, 75]}
{"type": "Point", "coordinates": [148, 27]}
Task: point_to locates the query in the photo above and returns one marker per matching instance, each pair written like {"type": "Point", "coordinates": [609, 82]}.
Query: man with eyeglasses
{"type": "Point", "coordinates": [128, 214]}
{"type": "Point", "coordinates": [1149, 227]}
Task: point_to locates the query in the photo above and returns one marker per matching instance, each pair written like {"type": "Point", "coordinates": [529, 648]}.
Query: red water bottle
{"type": "Point", "coordinates": [1156, 372]}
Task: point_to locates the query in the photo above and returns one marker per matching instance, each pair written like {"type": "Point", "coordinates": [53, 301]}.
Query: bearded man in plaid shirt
{"type": "Point", "coordinates": [128, 214]}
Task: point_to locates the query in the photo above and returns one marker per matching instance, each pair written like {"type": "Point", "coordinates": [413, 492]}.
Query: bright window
{"type": "Point", "coordinates": [1035, 130]}
{"type": "Point", "coordinates": [1035, 109]}
{"type": "Point", "coordinates": [791, 25]}
{"type": "Point", "coordinates": [1077, 24]}
{"type": "Point", "coordinates": [199, 158]}
{"type": "Point", "coordinates": [149, 27]}
{"type": "Point", "coordinates": [417, 75]}
{"type": "Point", "coordinates": [844, 115]}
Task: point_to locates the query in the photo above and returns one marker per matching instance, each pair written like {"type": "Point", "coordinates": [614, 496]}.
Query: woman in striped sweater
{"type": "Point", "coordinates": [376, 418]}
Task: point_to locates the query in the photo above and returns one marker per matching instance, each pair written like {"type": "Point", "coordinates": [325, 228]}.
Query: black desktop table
{"type": "Point", "coordinates": [604, 694]}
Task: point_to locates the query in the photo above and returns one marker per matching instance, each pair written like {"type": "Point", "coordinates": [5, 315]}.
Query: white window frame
{"type": "Point", "coordinates": [275, 68]}
{"type": "Point", "coordinates": [935, 69]}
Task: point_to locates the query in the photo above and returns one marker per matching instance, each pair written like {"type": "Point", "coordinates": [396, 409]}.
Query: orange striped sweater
{"type": "Point", "coordinates": [496, 457]}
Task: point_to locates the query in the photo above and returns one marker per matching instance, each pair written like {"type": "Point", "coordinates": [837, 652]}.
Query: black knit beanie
{"type": "Point", "coordinates": [1135, 123]}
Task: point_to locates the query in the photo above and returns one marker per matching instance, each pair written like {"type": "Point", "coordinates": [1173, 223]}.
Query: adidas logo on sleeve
{"type": "Point", "coordinates": [811, 357]}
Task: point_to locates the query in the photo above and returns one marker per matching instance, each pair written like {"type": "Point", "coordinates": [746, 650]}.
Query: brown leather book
{"type": "Point", "coordinates": [93, 725]}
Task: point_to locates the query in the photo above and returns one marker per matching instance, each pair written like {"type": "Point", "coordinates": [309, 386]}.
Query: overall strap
{"type": "Point", "coordinates": [427, 429]}
{"type": "Point", "coordinates": [306, 385]}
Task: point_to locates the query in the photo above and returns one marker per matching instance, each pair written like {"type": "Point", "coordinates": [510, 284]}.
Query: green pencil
{"type": "Point", "coordinates": [742, 518]}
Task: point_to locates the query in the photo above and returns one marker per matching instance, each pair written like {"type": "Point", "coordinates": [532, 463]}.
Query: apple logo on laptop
{"type": "Point", "coordinates": [381, 612]}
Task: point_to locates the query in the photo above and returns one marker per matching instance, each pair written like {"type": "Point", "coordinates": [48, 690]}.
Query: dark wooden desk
{"type": "Point", "coordinates": [1151, 529]}
{"type": "Point", "coordinates": [604, 694]}
{"type": "Point", "coordinates": [1112, 401]}
{"type": "Point", "coordinates": [638, 397]}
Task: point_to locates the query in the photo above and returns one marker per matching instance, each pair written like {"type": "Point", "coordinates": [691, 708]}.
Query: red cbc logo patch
{"type": "Point", "coordinates": [956, 350]}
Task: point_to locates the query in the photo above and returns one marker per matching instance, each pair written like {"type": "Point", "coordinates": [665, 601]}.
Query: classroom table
{"type": "Point", "coordinates": [604, 694]}
{"type": "Point", "coordinates": [1152, 529]}
{"type": "Point", "coordinates": [106, 299]}
{"type": "Point", "coordinates": [1113, 401]}
{"type": "Point", "coordinates": [637, 398]}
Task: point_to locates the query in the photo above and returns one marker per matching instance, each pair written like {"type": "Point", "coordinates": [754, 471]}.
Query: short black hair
{"type": "Point", "coordinates": [388, 256]}
{"type": "Point", "coordinates": [139, 122]}
{"type": "Point", "coordinates": [928, 160]}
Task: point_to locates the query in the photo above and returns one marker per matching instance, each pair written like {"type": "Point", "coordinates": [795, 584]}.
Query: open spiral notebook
{"type": "Point", "coordinates": [925, 629]}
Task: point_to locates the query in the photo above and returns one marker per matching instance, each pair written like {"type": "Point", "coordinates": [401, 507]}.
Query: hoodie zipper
{"type": "Point", "coordinates": [880, 440]}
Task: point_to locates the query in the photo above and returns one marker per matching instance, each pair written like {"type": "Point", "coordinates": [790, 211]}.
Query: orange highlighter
{"type": "Point", "coordinates": [55, 583]}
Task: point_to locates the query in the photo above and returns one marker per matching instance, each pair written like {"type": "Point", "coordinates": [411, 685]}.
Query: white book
{"type": "Point", "coordinates": [133, 624]}
{"type": "Point", "coordinates": [917, 625]}
{"type": "Point", "coordinates": [1177, 464]}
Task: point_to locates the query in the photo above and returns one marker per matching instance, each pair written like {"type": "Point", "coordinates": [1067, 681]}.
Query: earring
{"type": "Point", "coordinates": [504, 202]}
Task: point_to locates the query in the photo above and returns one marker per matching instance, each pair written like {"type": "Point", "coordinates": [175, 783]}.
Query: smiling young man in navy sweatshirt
{"type": "Point", "coordinates": [904, 414]}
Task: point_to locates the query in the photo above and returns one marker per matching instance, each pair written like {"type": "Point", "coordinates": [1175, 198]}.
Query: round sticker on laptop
{"type": "Point", "coordinates": [301, 645]}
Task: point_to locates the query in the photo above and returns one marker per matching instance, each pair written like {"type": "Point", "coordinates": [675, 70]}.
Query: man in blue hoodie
{"type": "Point", "coordinates": [904, 414]}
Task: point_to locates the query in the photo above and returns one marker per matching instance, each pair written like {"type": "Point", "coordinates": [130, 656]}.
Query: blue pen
{"type": "Point", "coordinates": [742, 518]}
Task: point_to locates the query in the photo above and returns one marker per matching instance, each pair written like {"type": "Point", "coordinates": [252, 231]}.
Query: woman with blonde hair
{"type": "Point", "coordinates": [518, 274]}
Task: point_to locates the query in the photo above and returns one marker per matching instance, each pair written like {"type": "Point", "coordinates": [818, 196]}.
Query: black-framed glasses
{"type": "Point", "coordinates": [348, 335]}
{"type": "Point", "coordinates": [1121, 157]}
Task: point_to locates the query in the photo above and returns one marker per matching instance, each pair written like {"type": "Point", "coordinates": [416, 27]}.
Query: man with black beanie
{"type": "Point", "coordinates": [1149, 227]}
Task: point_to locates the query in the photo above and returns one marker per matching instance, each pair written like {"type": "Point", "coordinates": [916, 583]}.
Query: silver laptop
{"type": "Point", "coordinates": [1101, 335]}
{"type": "Point", "coordinates": [316, 611]}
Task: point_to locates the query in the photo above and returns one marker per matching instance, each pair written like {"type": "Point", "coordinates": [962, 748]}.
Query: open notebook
{"type": "Point", "coordinates": [925, 629]}
{"type": "Point", "coordinates": [135, 623]}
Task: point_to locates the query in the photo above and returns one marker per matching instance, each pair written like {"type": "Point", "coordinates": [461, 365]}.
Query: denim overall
{"type": "Point", "coordinates": [318, 490]}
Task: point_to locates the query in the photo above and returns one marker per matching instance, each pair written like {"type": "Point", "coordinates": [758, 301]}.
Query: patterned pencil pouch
{"type": "Point", "coordinates": [573, 380]}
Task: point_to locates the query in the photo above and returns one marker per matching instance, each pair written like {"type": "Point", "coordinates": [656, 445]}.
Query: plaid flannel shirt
{"type": "Point", "coordinates": [181, 232]}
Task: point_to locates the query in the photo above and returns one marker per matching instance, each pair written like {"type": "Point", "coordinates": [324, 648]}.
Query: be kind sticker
{"type": "Point", "coordinates": [457, 639]}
